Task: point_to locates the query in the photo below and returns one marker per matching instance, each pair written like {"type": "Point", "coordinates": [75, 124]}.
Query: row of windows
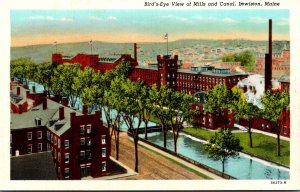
{"type": "Point", "coordinates": [39, 135]}
{"type": "Point", "coordinates": [85, 170]}
{"type": "Point", "coordinates": [39, 147]}
{"type": "Point", "coordinates": [85, 129]}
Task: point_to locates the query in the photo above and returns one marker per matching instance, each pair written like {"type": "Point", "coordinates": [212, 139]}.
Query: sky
{"type": "Point", "coordinates": [30, 27]}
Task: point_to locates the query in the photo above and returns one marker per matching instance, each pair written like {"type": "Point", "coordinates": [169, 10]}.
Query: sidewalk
{"type": "Point", "coordinates": [244, 129]}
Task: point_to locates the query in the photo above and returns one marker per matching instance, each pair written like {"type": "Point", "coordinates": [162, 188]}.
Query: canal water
{"type": "Point", "coordinates": [241, 167]}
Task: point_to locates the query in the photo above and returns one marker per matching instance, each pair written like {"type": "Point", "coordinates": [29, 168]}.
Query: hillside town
{"type": "Point", "coordinates": [78, 117]}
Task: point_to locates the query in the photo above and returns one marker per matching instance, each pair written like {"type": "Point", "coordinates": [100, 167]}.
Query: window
{"type": "Point", "coordinates": [66, 144]}
{"type": "Point", "coordinates": [82, 155]}
{"type": "Point", "coordinates": [55, 141]}
{"type": "Point", "coordinates": [88, 129]}
{"type": "Point", "coordinates": [29, 148]}
{"type": "Point", "coordinates": [103, 152]}
{"type": "Point", "coordinates": [29, 136]}
{"type": "Point", "coordinates": [81, 129]}
{"type": "Point", "coordinates": [67, 172]}
{"type": "Point", "coordinates": [103, 166]}
{"type": "Point", "coordinates": [58, 157]}
{"type": "Point", "coordinates": [267, 126]}
{"type": "Point", "coordinates": [39, 135]}
{"type": "Point", "coordinates": [48, 147]}
{"type": "Point", "coordinates": [40, 147]}
{"type": "Point", "coordinates": [67, 158]}
{"type": "Point", "coordinates": [88, 154]}
{"type": "Point", "coordinates": [48, 135]}
{"type": "Point", "coordinates": [263, 126]}
{"type": "Point", "coordinates": [58, 171]}
{"type": "Point", "coordinates": [82, 170]}
{"type": "Point", "coordinates": [284, 130]}
{"type": "Point", "coordinates": [103, 139]}
{"type": "Point", "coordinates": [88, 141]}
{"type": "Point", "coordinates": [88, 170]}
{"type": "Point", "coordinates": [82, 141]}
{"type": "Point", "coordinates": [51, 138]}
{"type": "Point", "coordinates": [58, 143]}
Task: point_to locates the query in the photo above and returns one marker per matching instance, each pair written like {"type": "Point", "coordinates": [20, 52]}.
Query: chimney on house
{"type": "Point", "coordinates": [18, 90]}
{"type": "Point", "coordinates": [84, 109]}
{"type": "Point", "coordinates": [20, 108]}
{"type": "Point", "coordinates": [61, 113]}
{"type": "Point", "coordinates": [135, 52]}
{"type": "Point", "coordinates": [268, 61]}
{"type": "Point", "coordinates": [64, 101]}
{"type": "Point", "coordinates": [33, 89]}
{"type": "Point", "coordinates": [44, 103]}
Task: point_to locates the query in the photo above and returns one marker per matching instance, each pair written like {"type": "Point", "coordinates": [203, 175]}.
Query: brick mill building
{"type": "Point", "coordinates": [79, 143]}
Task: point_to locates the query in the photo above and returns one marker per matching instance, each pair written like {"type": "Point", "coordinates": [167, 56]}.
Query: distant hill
{"type": "Point", "coordinates": [146, 51]}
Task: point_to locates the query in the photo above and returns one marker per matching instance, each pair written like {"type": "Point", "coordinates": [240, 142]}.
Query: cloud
{"type": "Point", "coordinates": [111, 18]}
{"type": "Point", "coordinates": [283, 22]}
{"type": "Point", "coordinates": [50, 18]}
{"type": "Point", "coordinates": [258, 20]}
{"type": "Point", "coordinates": [228, 20]}
{"type": "Point", "coordinates": [108, 18]}
{"type": "Point", "coordinates": [173, 17]}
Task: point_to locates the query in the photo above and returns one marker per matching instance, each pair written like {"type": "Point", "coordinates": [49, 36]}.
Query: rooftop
{"type": "Point", "coordinates": [25, 167]}
{"type": "Point", "coordinates": [284, 79]}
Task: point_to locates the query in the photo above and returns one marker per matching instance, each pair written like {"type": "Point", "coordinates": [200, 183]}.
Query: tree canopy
{"type": "Point", "coordinates": [246, 58]}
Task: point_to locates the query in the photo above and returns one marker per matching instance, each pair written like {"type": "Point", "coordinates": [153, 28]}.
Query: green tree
{"type": "Point", "coordinates": [64, 79]}
{"type": "Point", "coordinates": [223, 145]}
{"type": "Point", "coordinates": [218, 101]}
{"type": "Point", "coordinates": [244, 110]}
{"type": "Point", "coordinates": [22, 68]}
{"type": "Point", "coordinates": [130, 106]}
{"type": "Point", "coordinates": [162, 98]}
{"type": "Point", "coordinates": [246, 58]}
{"type": "Point", "coordinates": [146, 103]}
{"type": "Point", "coordinates": [180, 108]}
{"type": "Point", "coordinates": [273, 106]}
{"type": "Point", "coordinates": [44, 72]}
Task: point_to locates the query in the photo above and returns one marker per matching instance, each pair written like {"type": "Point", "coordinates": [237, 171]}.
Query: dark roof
{"type": "Point", "coordinates": [36, 166]}
{"type": "Point", "coordinates": [284, 79]}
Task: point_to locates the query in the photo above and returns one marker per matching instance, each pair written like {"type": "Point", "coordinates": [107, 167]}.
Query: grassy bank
{"type": "Point", "coordinates": [264, 146]}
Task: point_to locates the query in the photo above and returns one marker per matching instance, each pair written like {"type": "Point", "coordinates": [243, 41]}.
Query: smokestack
{"type": "Point", "coordinates": [135, 52]}
{"type": "Point", "coordinates": [61, 113]}
{"type": "Point", "coordinates": [268, 61]}
{"type": "Point", "coordinates": [18, 90]}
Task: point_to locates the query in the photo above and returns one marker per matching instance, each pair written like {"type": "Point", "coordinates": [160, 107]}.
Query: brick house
{"type": "Point", "coordinates": [79, 143]}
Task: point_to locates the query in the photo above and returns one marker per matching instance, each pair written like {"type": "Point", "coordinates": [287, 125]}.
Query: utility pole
{"type": "Point", "coordinates": [91, 43]}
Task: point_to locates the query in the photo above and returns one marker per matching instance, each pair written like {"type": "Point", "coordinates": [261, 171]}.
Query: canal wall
{"type": "Point", "coordinates": [214, 171]}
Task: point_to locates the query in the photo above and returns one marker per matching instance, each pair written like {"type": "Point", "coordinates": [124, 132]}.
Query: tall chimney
{"type": "Point", "coordinates": [18, 90]}
{"type": "Point", "coordinates": [44, 103]}
{"type": "Point", "coordinates": [135, 52]}
{"type": "Point", "coordinates": [84, 109]}
{"type": "Point", "coordinates": [33, 89]}
{"type": "Point", "coordinates": [268, 61]}
{"type": "Point", "coordinates": [61, 113]}
{"type": "Point", "coordinates": [64, 101]}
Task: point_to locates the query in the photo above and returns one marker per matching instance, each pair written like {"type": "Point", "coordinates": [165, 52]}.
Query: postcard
{"type": "Point", "coordinates": [150, 95]}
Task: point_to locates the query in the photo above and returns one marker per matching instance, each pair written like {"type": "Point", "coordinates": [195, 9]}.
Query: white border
{"type": "Point", "coordinates": [6, 183]}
